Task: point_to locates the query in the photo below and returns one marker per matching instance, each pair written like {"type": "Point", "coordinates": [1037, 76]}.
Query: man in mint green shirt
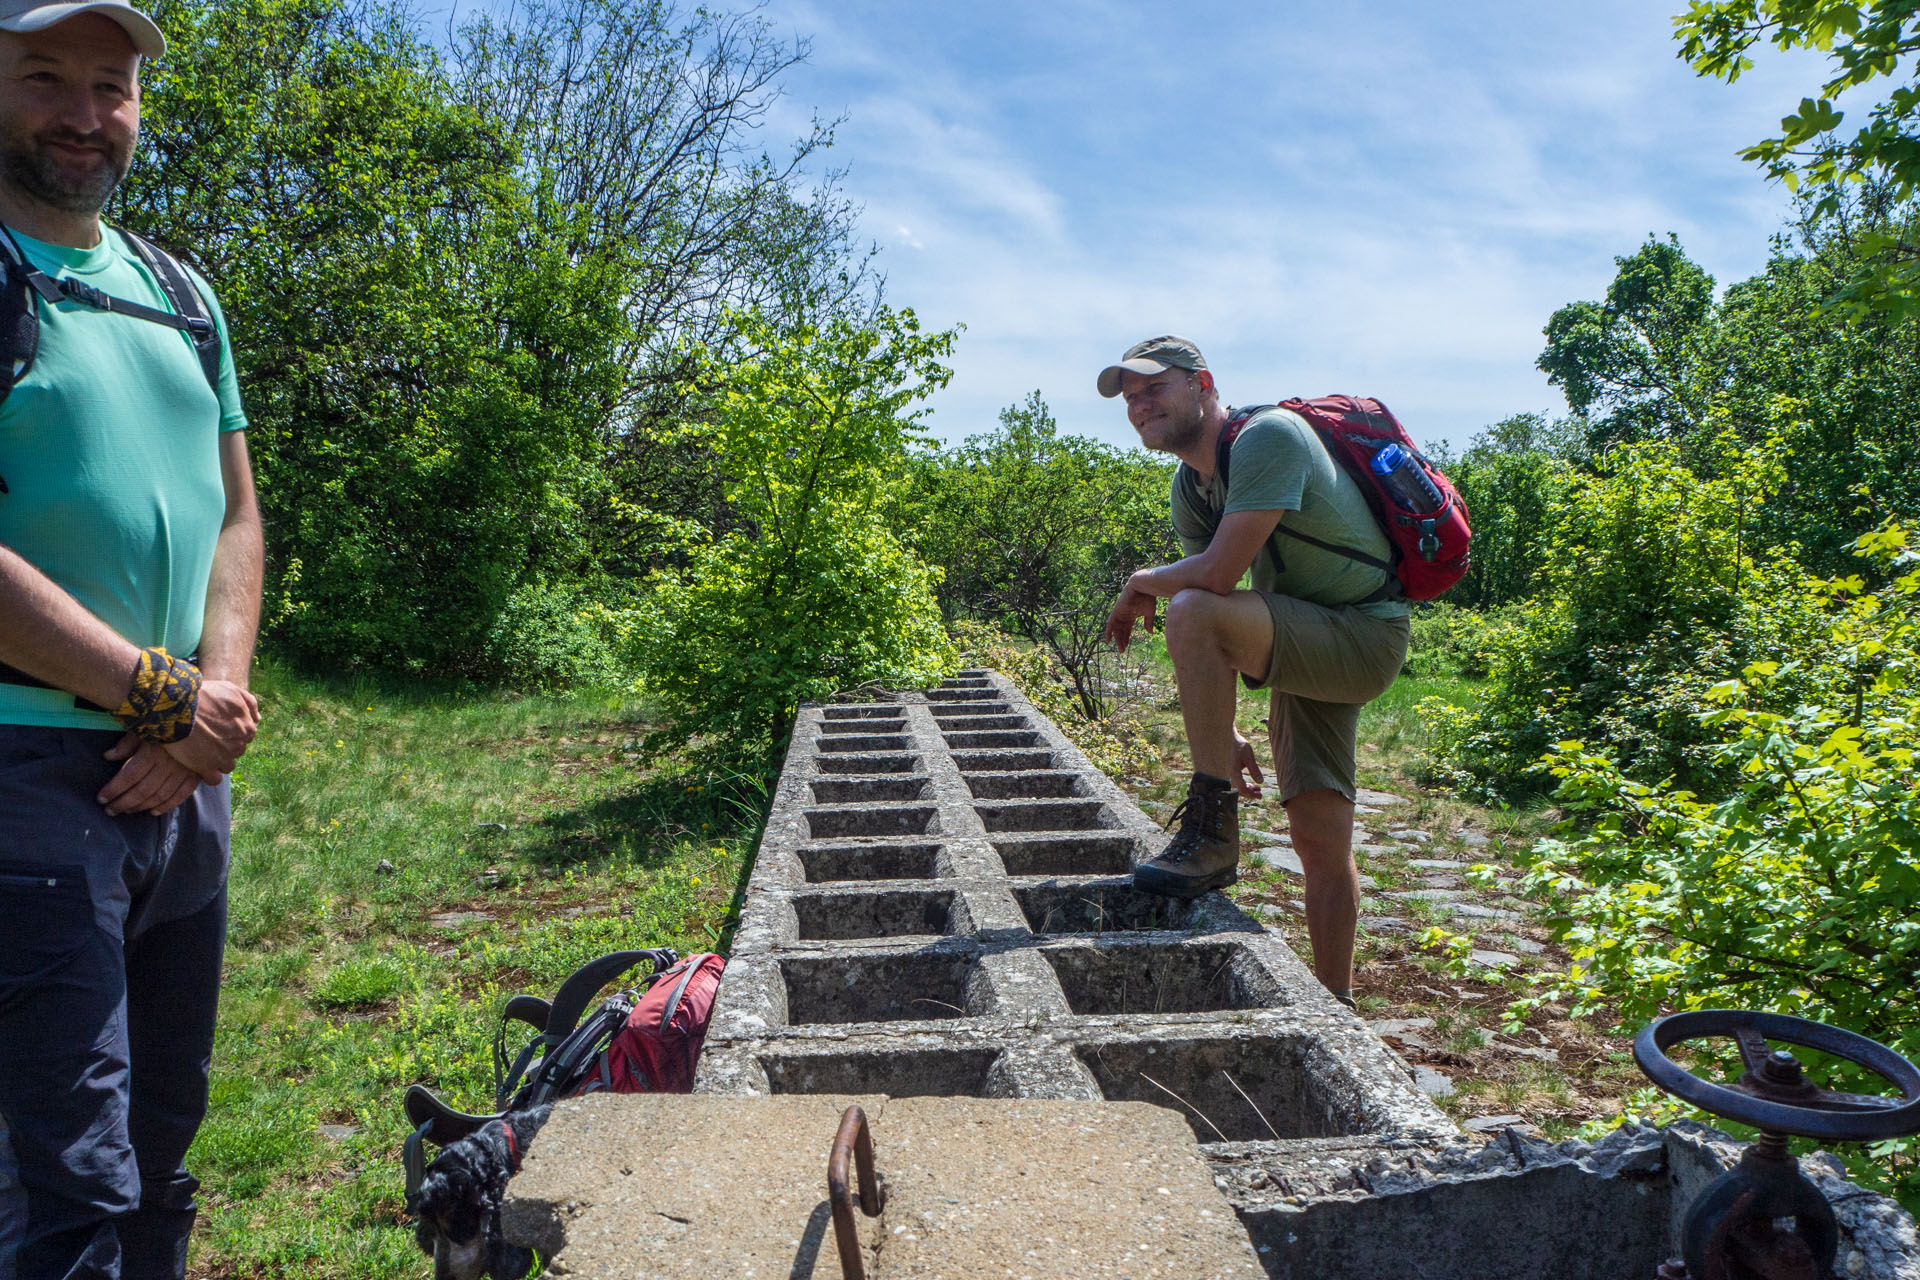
{"type": "Point", "coordinates": [1325, 632]}
{"type": "Point", "coordinates": [130, 568]}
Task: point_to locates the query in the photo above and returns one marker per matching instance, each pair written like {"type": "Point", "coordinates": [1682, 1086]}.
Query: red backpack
{"type": "Point", "coordinates": [658, 1048]}
{"type": "Point", "coordinates": [639, 1040]}
{"type": "Point", "coordinates": [1429, 546]}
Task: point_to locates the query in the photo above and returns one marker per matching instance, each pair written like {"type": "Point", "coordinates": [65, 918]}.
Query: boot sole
{"type": "Point", "coordinates": [1150, 879]}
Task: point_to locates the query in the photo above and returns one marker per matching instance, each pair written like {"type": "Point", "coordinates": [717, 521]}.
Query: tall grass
{"type": "Point", "coordinates": [403, 860]}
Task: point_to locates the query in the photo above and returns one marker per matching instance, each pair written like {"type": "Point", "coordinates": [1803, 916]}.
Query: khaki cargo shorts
{"type": "Point", "coordinates": [1327, 664]}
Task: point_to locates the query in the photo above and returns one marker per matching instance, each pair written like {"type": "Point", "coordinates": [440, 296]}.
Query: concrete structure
{"type": "Point", "coordinates": [940, 905]}
{"type": "Point", "coordinates": [940, 908]}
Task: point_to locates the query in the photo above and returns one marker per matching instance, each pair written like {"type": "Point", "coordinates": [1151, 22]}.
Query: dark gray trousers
{"type": "Point", "coordinates": [111, 936]}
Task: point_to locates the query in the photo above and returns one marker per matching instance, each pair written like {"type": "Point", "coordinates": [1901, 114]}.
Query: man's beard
{"type": "Point", "coordinates": [29, 169]}
{"type": "Point", "coordinates": [1178, 435]}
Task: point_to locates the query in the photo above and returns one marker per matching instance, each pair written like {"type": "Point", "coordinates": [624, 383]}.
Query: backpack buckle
{"type": "Point", "coordinates": [86, 294]}
{"type": "Point", "coordinates": [1429, 541]}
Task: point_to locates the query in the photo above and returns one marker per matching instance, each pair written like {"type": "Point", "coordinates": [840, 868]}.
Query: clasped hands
{"type": "Point", "coordinates": [155, 778]}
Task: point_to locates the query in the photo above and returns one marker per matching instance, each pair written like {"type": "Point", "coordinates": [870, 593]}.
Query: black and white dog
{"type": "Point", "coordinates": [456, 1211]}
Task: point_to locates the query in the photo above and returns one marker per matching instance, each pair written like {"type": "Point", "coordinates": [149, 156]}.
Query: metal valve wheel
{"type": "Point", "coordinates": [1762, 1219]}
{"type": "Point", "coordinates": [1773, 1095]}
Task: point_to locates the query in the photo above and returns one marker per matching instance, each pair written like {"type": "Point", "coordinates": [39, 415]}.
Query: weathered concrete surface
{"type": "Point", "coordinates": [1514, 1208]}
{"type": "Point", "coordinates": [941, 905]}
{"type": "Point", "coordinates": [1034, 1189]}
{"type": "Point", "coordinates": [639, 1186]}
{"type": "Point", "coordinates": [1517, 1207]}
{"type": "Point", "coordinates": [668, 1187]}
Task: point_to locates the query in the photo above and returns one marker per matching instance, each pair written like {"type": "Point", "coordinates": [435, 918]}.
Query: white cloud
{"type": "Point", "coordinates": [1387, 198]}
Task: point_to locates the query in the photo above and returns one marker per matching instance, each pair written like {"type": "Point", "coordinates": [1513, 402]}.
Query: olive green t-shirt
{"type": "Point", "coordinates": [110, 451]}
{"type": "Point", "coordinates": [1279, 464]}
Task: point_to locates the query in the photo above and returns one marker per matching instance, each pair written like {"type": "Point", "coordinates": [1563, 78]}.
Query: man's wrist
{"type": "Point", "coordinates": [163, 697]}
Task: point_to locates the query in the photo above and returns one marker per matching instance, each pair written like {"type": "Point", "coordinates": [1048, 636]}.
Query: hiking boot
{"type": "Point", "coordinates": [1205, 853]}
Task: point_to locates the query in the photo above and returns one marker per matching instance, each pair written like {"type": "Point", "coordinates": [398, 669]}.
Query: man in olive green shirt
{"type": "Point", "coordinates": [1324, 632]}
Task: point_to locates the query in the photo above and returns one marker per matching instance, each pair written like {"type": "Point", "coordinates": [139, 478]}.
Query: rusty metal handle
{"type": "Point", "coordinates": [853, 1140]}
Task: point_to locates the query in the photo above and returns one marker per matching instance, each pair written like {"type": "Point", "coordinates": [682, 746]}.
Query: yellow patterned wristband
{"type": "Point", "coordinates": [165, 694]}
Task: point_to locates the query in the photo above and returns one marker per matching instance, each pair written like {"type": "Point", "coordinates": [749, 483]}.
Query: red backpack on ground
{"type": "Point", "coordinates": [1429, 546]}
{"type": "Point", "coordinates": [658, 1048]}
{"type": "Point", "coordinates": [645, 1039]}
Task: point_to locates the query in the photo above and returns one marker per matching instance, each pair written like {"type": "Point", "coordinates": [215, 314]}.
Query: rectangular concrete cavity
{"type": "Point", "coordinates": [840, 728]}
{"type": "Point", "coordinates": [887, 914]}
{"type": "Point", "coordinates": [1093, 855]}
{"type": "Point", "coordinates": [971, 693]}
{"type": "Point", "coordinates": [1166, 978]}
{"type": "Point", "coordinates": [901, 820]}
{"type": "Point", "coordinates": [1113, 907]}
{"type": "Point", "coordinates": [966, 709]}
{"type": "Point", "coordinates": [968, 724]}
{"type": "Point", "coordinates": [865, 742]}
{"type": "Point", "coordinates": [1043, 815]}
{"type": "Point", "coordinates": [1277, 1093]}
{"type": "Point", "coordinates": [826, 863]}
{"type": "Point", "coordinates": [900, 762]}
{"type": "Point", "coordinates": [1029, 784]}
{"type": "Point", "coordinates": [908, 1073]}
{"type": "Point", "coordinates": [875, 711]}
{"type": "Point", "coordinates": [922, 986]}
{"type": "Point", "coordinates": [994, 738]}
{"type": "Point", "coordinates": [1002, 761]}
{"type": "Point", "coordinates": [864, 790]}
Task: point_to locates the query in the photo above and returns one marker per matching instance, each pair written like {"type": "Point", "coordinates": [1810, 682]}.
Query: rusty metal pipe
{"type": "Point", "coordinates": [855, 1141]}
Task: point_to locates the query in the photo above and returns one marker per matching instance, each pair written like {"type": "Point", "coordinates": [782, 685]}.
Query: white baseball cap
{"type": "Point", "coordinates": [36, 15]}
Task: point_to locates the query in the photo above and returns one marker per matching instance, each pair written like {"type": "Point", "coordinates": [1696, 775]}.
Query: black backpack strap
{"type": "Point", "coordinates": [185, 299]}
{"type": "Point", "coordinates": [19, 322]}
{"type": "Point", "coordinates": [580, 989]}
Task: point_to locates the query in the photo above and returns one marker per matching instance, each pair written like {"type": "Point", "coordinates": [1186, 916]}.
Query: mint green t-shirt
{"type": "Point", "coordinates": [1279, 464]}
{"type": "Point", "coordinates": [109, 449]}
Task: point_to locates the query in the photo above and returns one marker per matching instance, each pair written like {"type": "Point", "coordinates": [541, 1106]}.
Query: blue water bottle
{"type": "Point", "coordinates": [1406, 480]}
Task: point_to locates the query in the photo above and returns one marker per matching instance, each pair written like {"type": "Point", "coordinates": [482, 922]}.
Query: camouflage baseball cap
{"type": "Point", "coordinates": [1155, 355]}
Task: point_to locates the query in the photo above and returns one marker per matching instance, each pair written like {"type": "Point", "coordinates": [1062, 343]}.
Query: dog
{"type": "Point", "coordinates": [456, 1211]}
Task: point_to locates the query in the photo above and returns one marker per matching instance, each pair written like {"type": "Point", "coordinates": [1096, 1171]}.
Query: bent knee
{"type": "Point", "coordinates": [1194, 612]}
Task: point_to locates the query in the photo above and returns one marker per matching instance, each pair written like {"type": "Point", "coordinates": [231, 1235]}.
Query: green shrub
{"type": "Point", "coordinates": [1649, 596]}
{"type": "Point", "coordinates": [1451, 641]}
{"type": "Point", "coordinates": [1796, 892]}
{"type": "Point", "coordinates": [813, 595]}
{"type": "Point", "coordinates": [1113, 742]}
{"type": "Point", "coordinates": [555, 636]}
{"type": "Point", "coordinates": [746, 634]}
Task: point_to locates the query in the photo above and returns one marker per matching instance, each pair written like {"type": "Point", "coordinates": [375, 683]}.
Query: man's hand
{"type": "Point", "coordinates": [224, 722]}
{"type": "Point", "coordinates": [1246, 777]}
{"type": "Point", "coordinates": [1133, 605]}
{"type": "Point", "coordinates": [149, 779]}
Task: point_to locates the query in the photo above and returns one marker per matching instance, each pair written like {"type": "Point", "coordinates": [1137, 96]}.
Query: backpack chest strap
{"type": "Point", "coordinates": [68, 289]}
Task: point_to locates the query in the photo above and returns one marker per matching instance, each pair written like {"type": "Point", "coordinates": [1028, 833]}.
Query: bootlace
{"type": "Point", "coordinates": [1193, 821]}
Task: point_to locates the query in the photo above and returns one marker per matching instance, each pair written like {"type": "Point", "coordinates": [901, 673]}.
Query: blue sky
{"type": "Point", "coordinates": [1386, 198]}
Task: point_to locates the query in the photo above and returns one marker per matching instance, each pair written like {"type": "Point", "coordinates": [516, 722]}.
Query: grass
{"type": "Point", "coordinates": [402, 861]}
